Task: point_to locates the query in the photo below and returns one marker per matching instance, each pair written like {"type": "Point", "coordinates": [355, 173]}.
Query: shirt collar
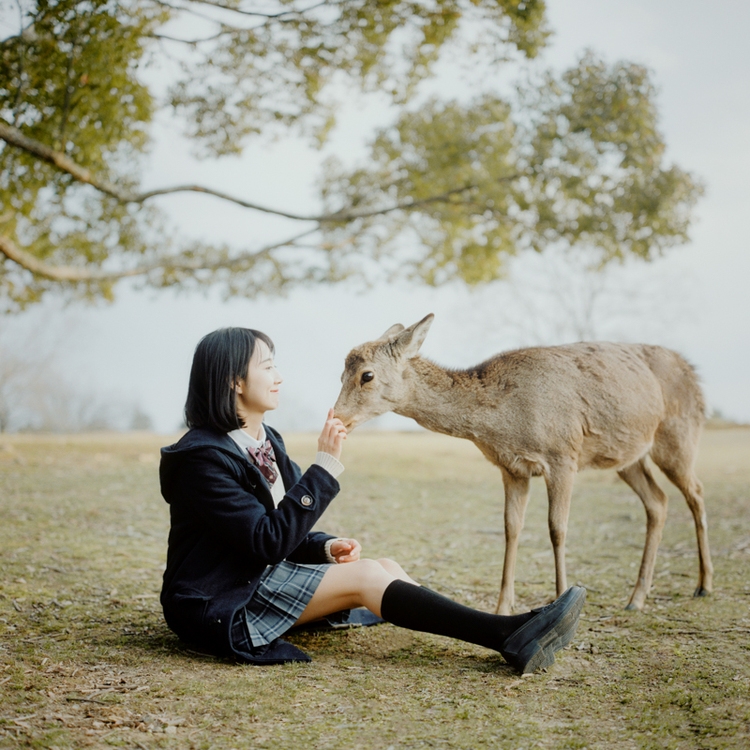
{"type": "Point", "coordinates": [246, 441]}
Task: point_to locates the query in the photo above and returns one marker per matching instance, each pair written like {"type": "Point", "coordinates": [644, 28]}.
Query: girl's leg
{"type": "Point", "coordinates": [396, 570]}
{"type": "Point", "coordinates": [355, 584]}
{"type": "Point", "coordinates": [367, 583]}
{"type": "Point", "coordinates": [528, 641]}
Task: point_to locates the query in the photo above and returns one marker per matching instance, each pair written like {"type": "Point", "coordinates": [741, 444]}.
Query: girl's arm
{"type": "Point", "coordinates": [312, 549]}
{"type": "Point", "coordinates": [210, 482]}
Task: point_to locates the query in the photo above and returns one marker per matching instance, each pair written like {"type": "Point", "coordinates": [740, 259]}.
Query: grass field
{"type": "Point", "coordinates": [87, 661]}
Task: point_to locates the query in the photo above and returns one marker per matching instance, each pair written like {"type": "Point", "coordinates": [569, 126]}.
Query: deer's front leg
{"type": "Point", "coordinates": [559, 491]}
{"type": "Point", "coordinates": [516, 499]}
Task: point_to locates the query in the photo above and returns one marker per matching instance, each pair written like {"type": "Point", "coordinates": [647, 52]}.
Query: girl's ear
{"type": "Point", "coordinates": [237, 387]}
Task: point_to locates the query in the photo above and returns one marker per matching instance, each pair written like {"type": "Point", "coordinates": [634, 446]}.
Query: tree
{"type": "Point", "coordinates": [451, 188]}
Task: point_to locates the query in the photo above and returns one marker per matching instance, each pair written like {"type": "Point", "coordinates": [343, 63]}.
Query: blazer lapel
{"type": "Point", "coordinates": [257, 481]}
{"type": "Point", "coordinates": [286, 470]}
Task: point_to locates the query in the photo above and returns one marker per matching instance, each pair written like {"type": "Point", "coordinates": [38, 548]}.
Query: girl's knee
{"type": "Point", "coordinates": [371, 572]}
{"type": "Point", "coordinates": [395, 570]}
{"type": "Point", "coordinates": [390, 565]}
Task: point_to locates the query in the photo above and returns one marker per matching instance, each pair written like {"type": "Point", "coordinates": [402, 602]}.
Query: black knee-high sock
{"type": "Point", "coordinates": [419, 608]}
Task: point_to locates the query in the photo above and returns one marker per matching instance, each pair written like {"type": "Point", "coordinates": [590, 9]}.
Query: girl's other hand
{"type": "Point", "coordinates": [332, 437]}
{"type": "Point", "coordinates": [345, 550]}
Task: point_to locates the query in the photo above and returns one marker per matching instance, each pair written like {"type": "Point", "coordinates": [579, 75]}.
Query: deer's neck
{"type": "Point", "coordinates": [440, 399]}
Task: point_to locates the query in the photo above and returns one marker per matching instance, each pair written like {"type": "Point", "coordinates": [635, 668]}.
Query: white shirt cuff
{"type": "Point", "coordinates": [332, 465]}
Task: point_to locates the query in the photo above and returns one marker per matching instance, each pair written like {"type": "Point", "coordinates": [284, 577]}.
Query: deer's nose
{"type": "Point", "coordinates": [348, 421]}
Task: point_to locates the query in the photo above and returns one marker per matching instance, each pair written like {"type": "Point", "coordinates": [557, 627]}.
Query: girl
{"type": "Point", "coordinates": [243, 565]}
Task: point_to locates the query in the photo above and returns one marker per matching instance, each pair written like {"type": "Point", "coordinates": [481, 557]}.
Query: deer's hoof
{"type": "Point", "coordinates": [633, 607]}
{"type": "Point", "coordinates": [700, 591]}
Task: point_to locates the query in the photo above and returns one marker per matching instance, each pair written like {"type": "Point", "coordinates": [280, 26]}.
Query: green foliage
{"type": "Point", "coordinates": [599, 167]}
{"type": "Point", "coordinates": [69, 81]}
{"type": "Point", "coordinates": [449, 190]}
{"type": "Point", "coordinates": [577, 160]}
{"type": "Point", "coordinates": [280, 71]}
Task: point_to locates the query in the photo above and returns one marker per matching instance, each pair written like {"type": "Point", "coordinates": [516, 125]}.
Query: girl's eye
{"type": "Point", "coordinates": [367, 376]}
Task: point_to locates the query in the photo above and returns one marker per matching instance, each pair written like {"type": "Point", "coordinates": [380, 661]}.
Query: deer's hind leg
{"type": "Point", "coordinates": [516, 500]}
{"type": "Point", "coordinates": [638, 476]}
{"type": "Point", "coordinates": [676, 458]}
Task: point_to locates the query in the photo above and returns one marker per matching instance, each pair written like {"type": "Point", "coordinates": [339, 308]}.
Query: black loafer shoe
{"type": "Point", "coordinates": [534, 644]}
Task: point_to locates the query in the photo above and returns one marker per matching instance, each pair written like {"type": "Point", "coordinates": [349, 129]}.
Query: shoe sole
{"type": "Point", "coordinates": [540, 653]}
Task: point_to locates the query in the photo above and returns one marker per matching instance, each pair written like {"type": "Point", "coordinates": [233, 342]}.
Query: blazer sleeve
{"type": "Point", "coordinates": [312, 549]}
{"type": "Point", "coordinates": [242, 523]}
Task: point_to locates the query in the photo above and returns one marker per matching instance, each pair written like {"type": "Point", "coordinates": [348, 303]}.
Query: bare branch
{"type": "Point", "coordinates": [256, 14]}
{"type": "Point", "coordinates": [140, 198]}
{"type": "Point", "coordinates": [38, 267]}
{"type": "Point", "coordinates": [192, 42]}
{"type": "Point", "coordinates": [62, 273]}
{"type": "Point", "coordinates": [339, 217]}
{"type": "Point", "coordinates": [184, 9]}
{"type": "Point", "coordinates": [16, 138]}
{"type": "Point", "coordinates": [265, 17]}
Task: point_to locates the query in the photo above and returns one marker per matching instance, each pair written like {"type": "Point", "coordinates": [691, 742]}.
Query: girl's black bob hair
{"type": "Point", "coordinates": [220, 360]}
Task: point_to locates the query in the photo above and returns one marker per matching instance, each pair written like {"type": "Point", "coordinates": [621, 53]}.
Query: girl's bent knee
{"type": "Point", "coordinates": [390, 565]}
{"type": "Point", "coordinates": [372, 571]}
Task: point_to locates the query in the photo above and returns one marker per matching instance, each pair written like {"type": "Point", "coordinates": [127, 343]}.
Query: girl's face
{"type": "Point", "coordinates": [259, 391]}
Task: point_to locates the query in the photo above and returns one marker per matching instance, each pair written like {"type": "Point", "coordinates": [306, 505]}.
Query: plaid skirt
{"type": "Point", "coordinates": [282, 595]}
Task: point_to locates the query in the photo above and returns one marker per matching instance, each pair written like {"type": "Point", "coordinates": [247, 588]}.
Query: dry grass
{"type": "Point", "coordinates": [86, 661]}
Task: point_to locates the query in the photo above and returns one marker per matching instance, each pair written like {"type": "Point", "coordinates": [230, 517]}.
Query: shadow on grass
{"type": "Point", "coordinates": [326, 646]}
{"type": "Point", "coordinates": [158, 643]}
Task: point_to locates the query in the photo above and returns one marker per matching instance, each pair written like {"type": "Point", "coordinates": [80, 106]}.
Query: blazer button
{"type": "Point", "coordinates": [306, 500]}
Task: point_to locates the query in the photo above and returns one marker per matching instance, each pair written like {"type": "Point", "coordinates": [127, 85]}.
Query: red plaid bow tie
{"type": "Point", "coordinates": [264, 457]}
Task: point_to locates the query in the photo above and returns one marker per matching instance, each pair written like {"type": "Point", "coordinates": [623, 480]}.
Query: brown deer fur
{"type": "Point", "coordinates": [549, 411]}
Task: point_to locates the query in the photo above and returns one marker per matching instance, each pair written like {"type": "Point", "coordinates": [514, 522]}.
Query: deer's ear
{"type": "Point", "coordinates": [392, 331]}
{"type": "Point", "coordinates": [409, 341]}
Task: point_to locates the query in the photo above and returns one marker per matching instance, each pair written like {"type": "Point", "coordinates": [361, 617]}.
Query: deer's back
{"type": "Point", "coordinates": [599, 402]}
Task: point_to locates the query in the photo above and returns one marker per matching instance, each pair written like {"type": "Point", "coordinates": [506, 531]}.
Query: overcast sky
{"type": "Point", "coordinates": [696, 299]}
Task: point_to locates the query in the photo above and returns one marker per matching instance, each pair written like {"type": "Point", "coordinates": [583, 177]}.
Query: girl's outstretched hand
{"type": "Point", "coordinates": [345, 550]}
{"type": "Point", "coordinates": [332, 437]}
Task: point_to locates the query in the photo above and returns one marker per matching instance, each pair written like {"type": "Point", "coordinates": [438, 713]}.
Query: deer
{"type": "Point", "coordinates": [550, 411]}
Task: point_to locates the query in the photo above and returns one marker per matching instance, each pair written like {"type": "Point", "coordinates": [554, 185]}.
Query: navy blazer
{"type": "Point", "coordinates": [225, 530]}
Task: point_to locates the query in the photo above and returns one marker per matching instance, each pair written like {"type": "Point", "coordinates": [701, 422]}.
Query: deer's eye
{"type": "Point", "coordinates": [367, 377]}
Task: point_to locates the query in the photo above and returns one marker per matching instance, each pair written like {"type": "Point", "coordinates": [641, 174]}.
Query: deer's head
{"type": "Point", "coordinates": [373, 380]}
